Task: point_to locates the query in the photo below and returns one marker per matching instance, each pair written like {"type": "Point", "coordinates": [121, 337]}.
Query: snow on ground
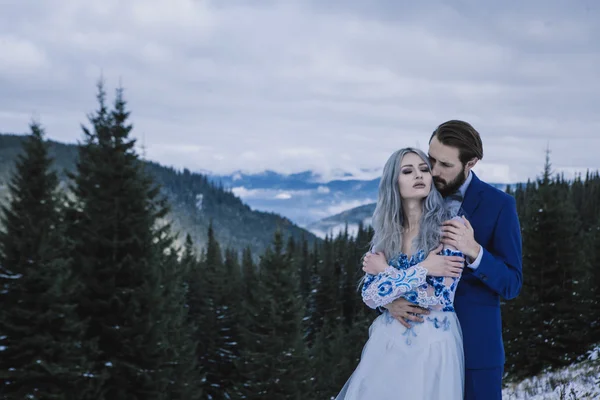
{"type": "Point", "coordinates": [576, 382]}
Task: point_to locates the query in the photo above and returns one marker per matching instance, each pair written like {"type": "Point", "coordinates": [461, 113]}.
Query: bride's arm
{"type": "Point", "coordinates": [391, 284]}
{"type": "Point", "coordinates": [439, 291]}
{"type": "Point", "coordinates": [384, 283]}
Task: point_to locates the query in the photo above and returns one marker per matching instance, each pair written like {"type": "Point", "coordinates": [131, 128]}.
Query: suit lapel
{"type": "Point", "coordinates": [472, 196]}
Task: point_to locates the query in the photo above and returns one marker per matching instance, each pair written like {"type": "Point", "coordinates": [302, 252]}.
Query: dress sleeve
{"type": "Point", "coordinates": [438, 292]}
{"type": "Point", "coordinates": [391, 284]}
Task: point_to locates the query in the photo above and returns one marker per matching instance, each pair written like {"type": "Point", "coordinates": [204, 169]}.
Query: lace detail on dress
{"type": "Point", "coordinates": [391, 284]}
{"type": "Point", "coordinates": [406, 278]}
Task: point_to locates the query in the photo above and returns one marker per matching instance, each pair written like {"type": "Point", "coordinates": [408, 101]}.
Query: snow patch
{"type": "Point", "coordinates": [578, 381]}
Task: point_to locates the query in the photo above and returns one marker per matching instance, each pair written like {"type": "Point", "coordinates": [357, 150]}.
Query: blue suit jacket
{"type": "Point", "coordinates": [493, 215]}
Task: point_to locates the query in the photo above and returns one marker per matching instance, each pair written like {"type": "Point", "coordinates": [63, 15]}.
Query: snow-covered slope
{"type": "Point", "coordinates": [575, 382]}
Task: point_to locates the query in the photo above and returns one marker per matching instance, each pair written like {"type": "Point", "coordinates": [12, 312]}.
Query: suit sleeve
{"type": "Point", "coordinates": [501, 266]}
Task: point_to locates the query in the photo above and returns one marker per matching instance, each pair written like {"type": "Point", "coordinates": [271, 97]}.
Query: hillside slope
{"type": "Point", "coordinates": [195, 201]}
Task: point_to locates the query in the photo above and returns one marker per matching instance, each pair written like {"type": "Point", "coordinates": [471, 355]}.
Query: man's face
{"type": "Point", "coordinates": [447, 170]}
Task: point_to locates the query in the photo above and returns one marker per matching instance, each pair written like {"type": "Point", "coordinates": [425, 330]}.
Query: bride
{"type": "Point", "coordinates": [406, 260]}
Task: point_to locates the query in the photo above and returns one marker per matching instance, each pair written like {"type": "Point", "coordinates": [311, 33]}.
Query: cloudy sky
{"type": "Point", "coordinates": [327, 85]}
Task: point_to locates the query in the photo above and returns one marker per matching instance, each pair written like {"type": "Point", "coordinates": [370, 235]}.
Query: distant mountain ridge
{"type": "Point", "coordinates": [351, 219]}
{"type": "Point", "coordinates": [302, 197]}
{"type": "Point", "coordinates": [321, 207]}
{"type": "Point", "coordinates": [245, 208]}
{"type": "Point", "coordinates": [195, 201]}
{"type": "Point", "coordinates": [300, 180]}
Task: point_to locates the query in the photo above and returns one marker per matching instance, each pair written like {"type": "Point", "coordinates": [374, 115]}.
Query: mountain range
{"type": "Point", "coordinates": [302, 197]}
{"type": "Point", "coordinates": [321, 207]}
{"type": "Point", "coordinates": [245, 208]}
{"type": "Point", "coordinates": [194, 199]}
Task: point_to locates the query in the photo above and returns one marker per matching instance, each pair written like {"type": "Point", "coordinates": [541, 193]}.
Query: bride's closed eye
{"type": "Point", "coordinates": [408, 171]}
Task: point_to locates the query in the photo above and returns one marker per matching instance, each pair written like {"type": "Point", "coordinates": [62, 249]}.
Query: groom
{"type": "Point", "coordinates": [491, 242]}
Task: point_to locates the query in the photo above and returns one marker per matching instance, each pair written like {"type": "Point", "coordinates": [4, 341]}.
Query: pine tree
{"type": "Point", "coordinates": [304, 271]}
{"type": "Point", "coordinates": [249, 274]}
{"type": "Point", "coordinates": [195, 300]}
{"type": "Point", "coordinates": [233, 293]}
{"type": "Point", "coordinates": [335, 356]}
{"type": "Point", "coordinates": [123, 256]}
{"type": "Point", "coordinates": [543, 274]}
{"type": "Point", "coordinates": [594, 283]}
{"type": "Point", "coordinates": [518, 325]}
{"type": "Point", "coordinates": [590, 215]}
{"type": "Point", "coordinates": [250, 313]}
{"type": "Point", "coordinates": [274, 355]}
{"type": "Point", "coordinates": [312, 320]}
{"type": "Point", "coordinates": [339, 343]}
{"type": "Point", "coordinates": [327, 289]}
{"type": "Point", "coordinates": [568, 328]}
{"type": "Point", "coordinates": [351, 299]}
{"type": "Point", "coordinates": [182, 331]}
{"type": "Point", "coordinates": [540, 324]}
{"type": "Point", "coordinates": [232, 302]}
{"type": "Point", "coordinates": [41, 356]}
{"type": "Point", "coordinates": [218, 346]}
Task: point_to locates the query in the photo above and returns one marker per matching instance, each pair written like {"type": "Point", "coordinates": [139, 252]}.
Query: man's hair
{"type": "Point", "coordinates": [463, 136]}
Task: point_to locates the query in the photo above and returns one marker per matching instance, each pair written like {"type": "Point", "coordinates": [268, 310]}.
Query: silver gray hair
{"type": "Point", "coordinates": [388, 218]}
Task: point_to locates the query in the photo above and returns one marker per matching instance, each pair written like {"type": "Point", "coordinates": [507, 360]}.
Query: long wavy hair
{"type": "Point", "coordinates": [388, 218]}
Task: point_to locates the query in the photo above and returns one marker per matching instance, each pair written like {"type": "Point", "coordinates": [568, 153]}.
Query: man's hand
{"type": "Point", "coordinates": [403, 310]}
{"type": "Point", "coordinates": [442, 266]}
{"type": "Point", "coordinates": [461, 236]}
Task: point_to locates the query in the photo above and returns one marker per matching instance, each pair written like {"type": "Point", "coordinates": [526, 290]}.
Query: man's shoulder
{"type": "Point", "coordinates": [495, 194]}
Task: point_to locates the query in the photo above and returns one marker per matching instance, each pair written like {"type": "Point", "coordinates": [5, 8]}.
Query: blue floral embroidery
{"type": "Point", "coordinates": [411, 296]}
{"type": "Point", "coordinates": [409, 332]}
{"type": "Point", "coordinates": [438, 323]}
{"type": "Point", "coordinates": [385, 288]}
{"type": "Point", "coordinates": [424, 291]}
{"type": "Point", "coordinates": [404, 280]}
{"type": "Point", "coordinates": [407, 282]}
{"type": "Point", "coordinates": [381, 289]}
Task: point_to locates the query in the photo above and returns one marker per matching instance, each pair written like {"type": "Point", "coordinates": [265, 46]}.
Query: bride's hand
{"type": "Point", "coordinates": [374, 263]}
{"type": "Point", "coordinates": [436, 265]}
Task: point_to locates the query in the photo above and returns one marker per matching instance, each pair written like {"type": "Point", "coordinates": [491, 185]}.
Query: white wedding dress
{"type": "Point", "coordinates": [425, 362]}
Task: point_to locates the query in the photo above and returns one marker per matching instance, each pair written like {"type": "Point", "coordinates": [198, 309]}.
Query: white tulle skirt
{"type": "Point", "coordinates": [425, 362]}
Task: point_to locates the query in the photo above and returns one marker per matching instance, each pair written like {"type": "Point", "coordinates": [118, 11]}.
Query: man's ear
{"type": "Point", "coordinates": [471, 163]}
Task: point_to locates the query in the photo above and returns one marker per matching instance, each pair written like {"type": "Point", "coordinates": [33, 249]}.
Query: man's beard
{"type": "Point", "coordinates": [451, 187]}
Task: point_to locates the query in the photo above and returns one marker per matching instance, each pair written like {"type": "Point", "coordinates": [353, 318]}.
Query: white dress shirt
{"type": "Point", "coordinates": [455, 204]}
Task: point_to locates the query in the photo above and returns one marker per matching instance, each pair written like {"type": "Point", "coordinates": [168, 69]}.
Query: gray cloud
{"type": "Point", "coordinates": [330, 86]}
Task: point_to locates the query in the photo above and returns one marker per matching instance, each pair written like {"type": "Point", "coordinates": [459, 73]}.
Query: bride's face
{"type": "Point", "coordinates": [415, 179]}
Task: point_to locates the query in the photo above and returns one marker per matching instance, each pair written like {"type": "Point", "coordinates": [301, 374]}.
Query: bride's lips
{"type": "Point", "coordinates": [419, 185]}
